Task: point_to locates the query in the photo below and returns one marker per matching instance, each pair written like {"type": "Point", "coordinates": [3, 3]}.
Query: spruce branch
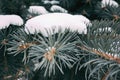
{"type": "Point", "coordinates": [100, 53]}
{"type": "Point", "coordinates": [101, 40]}
{"type": "Point", "coordinates": [55, 52]}
{"type": "Point", "coordinates": [105, 75]}
{"type": "Point", "coordinates": [100, 49]}
{"type": "Point", "coordinates": [108, 12]}
{"type": "Point", "coordinates": [20, 44]}
{"type": "Point", "coordinates": [5, 37]}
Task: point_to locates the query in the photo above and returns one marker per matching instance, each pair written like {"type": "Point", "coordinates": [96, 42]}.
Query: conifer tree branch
{"type": "Point", "coordinates": [100, 53]}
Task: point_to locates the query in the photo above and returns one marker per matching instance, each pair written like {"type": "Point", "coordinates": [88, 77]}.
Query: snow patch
{"type": "Point", "coordinates": [104, 3]}
{"type": "Point", "coordinates": [15, 20]}
{"type": "Point", "coordinates": [56, 8]}
{"type": "Point", "coordinates": [83, 19]}
{"type": "Point", "coordinates": [106, 29]}
{"type": "Point", "coordinates": [37, 10]}
{"type": "Point", "coordinates": [6, 20]}
{"type": "Point", "coordinates": [55, 21]}
{"type": "Point", "coordinates": [50, 2]}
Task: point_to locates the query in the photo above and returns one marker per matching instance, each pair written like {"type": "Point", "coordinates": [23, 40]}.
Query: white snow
{"type": "Point", "coordinates": [57, 8]}
{"type": "Point", "coordinates": [104, 3]}
{"type": "Point", "coordinates": [115, 48]}
{"type": "Point", "coordinates": [37, 10]}
{"type": "Point", "coordinates": [105, 29]}
{"type": "Point", "coordinates": [55, 21]}
{"type": "Point", "coordinates": [40, 10]}
{"type": "Point", "coordinates": [15, 20]}
{"type": "Point", "coordinates": [50, 2]}
{"type": "Point", "coordinates": [83, 19]}
{"type": "Point", "coordinates": [6, 20]}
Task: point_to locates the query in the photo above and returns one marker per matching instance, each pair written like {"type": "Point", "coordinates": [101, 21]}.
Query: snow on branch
{"type": "Point", "coordinates": [15, 20]}
{"type": "Point", "coordinates": [3, 22]}
{"type": "Point", "coordinates": [57, 21]}
{"type": "Point", "coordinates": [6, 20]}
{"type": "Point", "coordinates": [50, 2]}
{"type": "Point", "coordinates": [37, 10]}
{"type": "Point", "coordinates": [104, 3]}
{"type": "Point", "coordinates": [56, 8]}
{"type": "Point", "coordinates": [83, 19]}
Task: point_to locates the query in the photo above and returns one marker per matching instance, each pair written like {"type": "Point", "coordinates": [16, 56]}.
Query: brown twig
{"type": "Point", "coordinates": [106, 74]}
{"type": "Point", "coordinates": [116, 17]}
{"type": "Point", "coordinates": [26, 45]}
{"type": "Point", "coordinates": [100, 53]}
{"type": "Point", "coordinates": [50, 54]}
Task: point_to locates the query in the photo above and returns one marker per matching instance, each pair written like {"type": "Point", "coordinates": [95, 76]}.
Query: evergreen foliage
{"type": "Point", "coordinates": [65, 55]}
